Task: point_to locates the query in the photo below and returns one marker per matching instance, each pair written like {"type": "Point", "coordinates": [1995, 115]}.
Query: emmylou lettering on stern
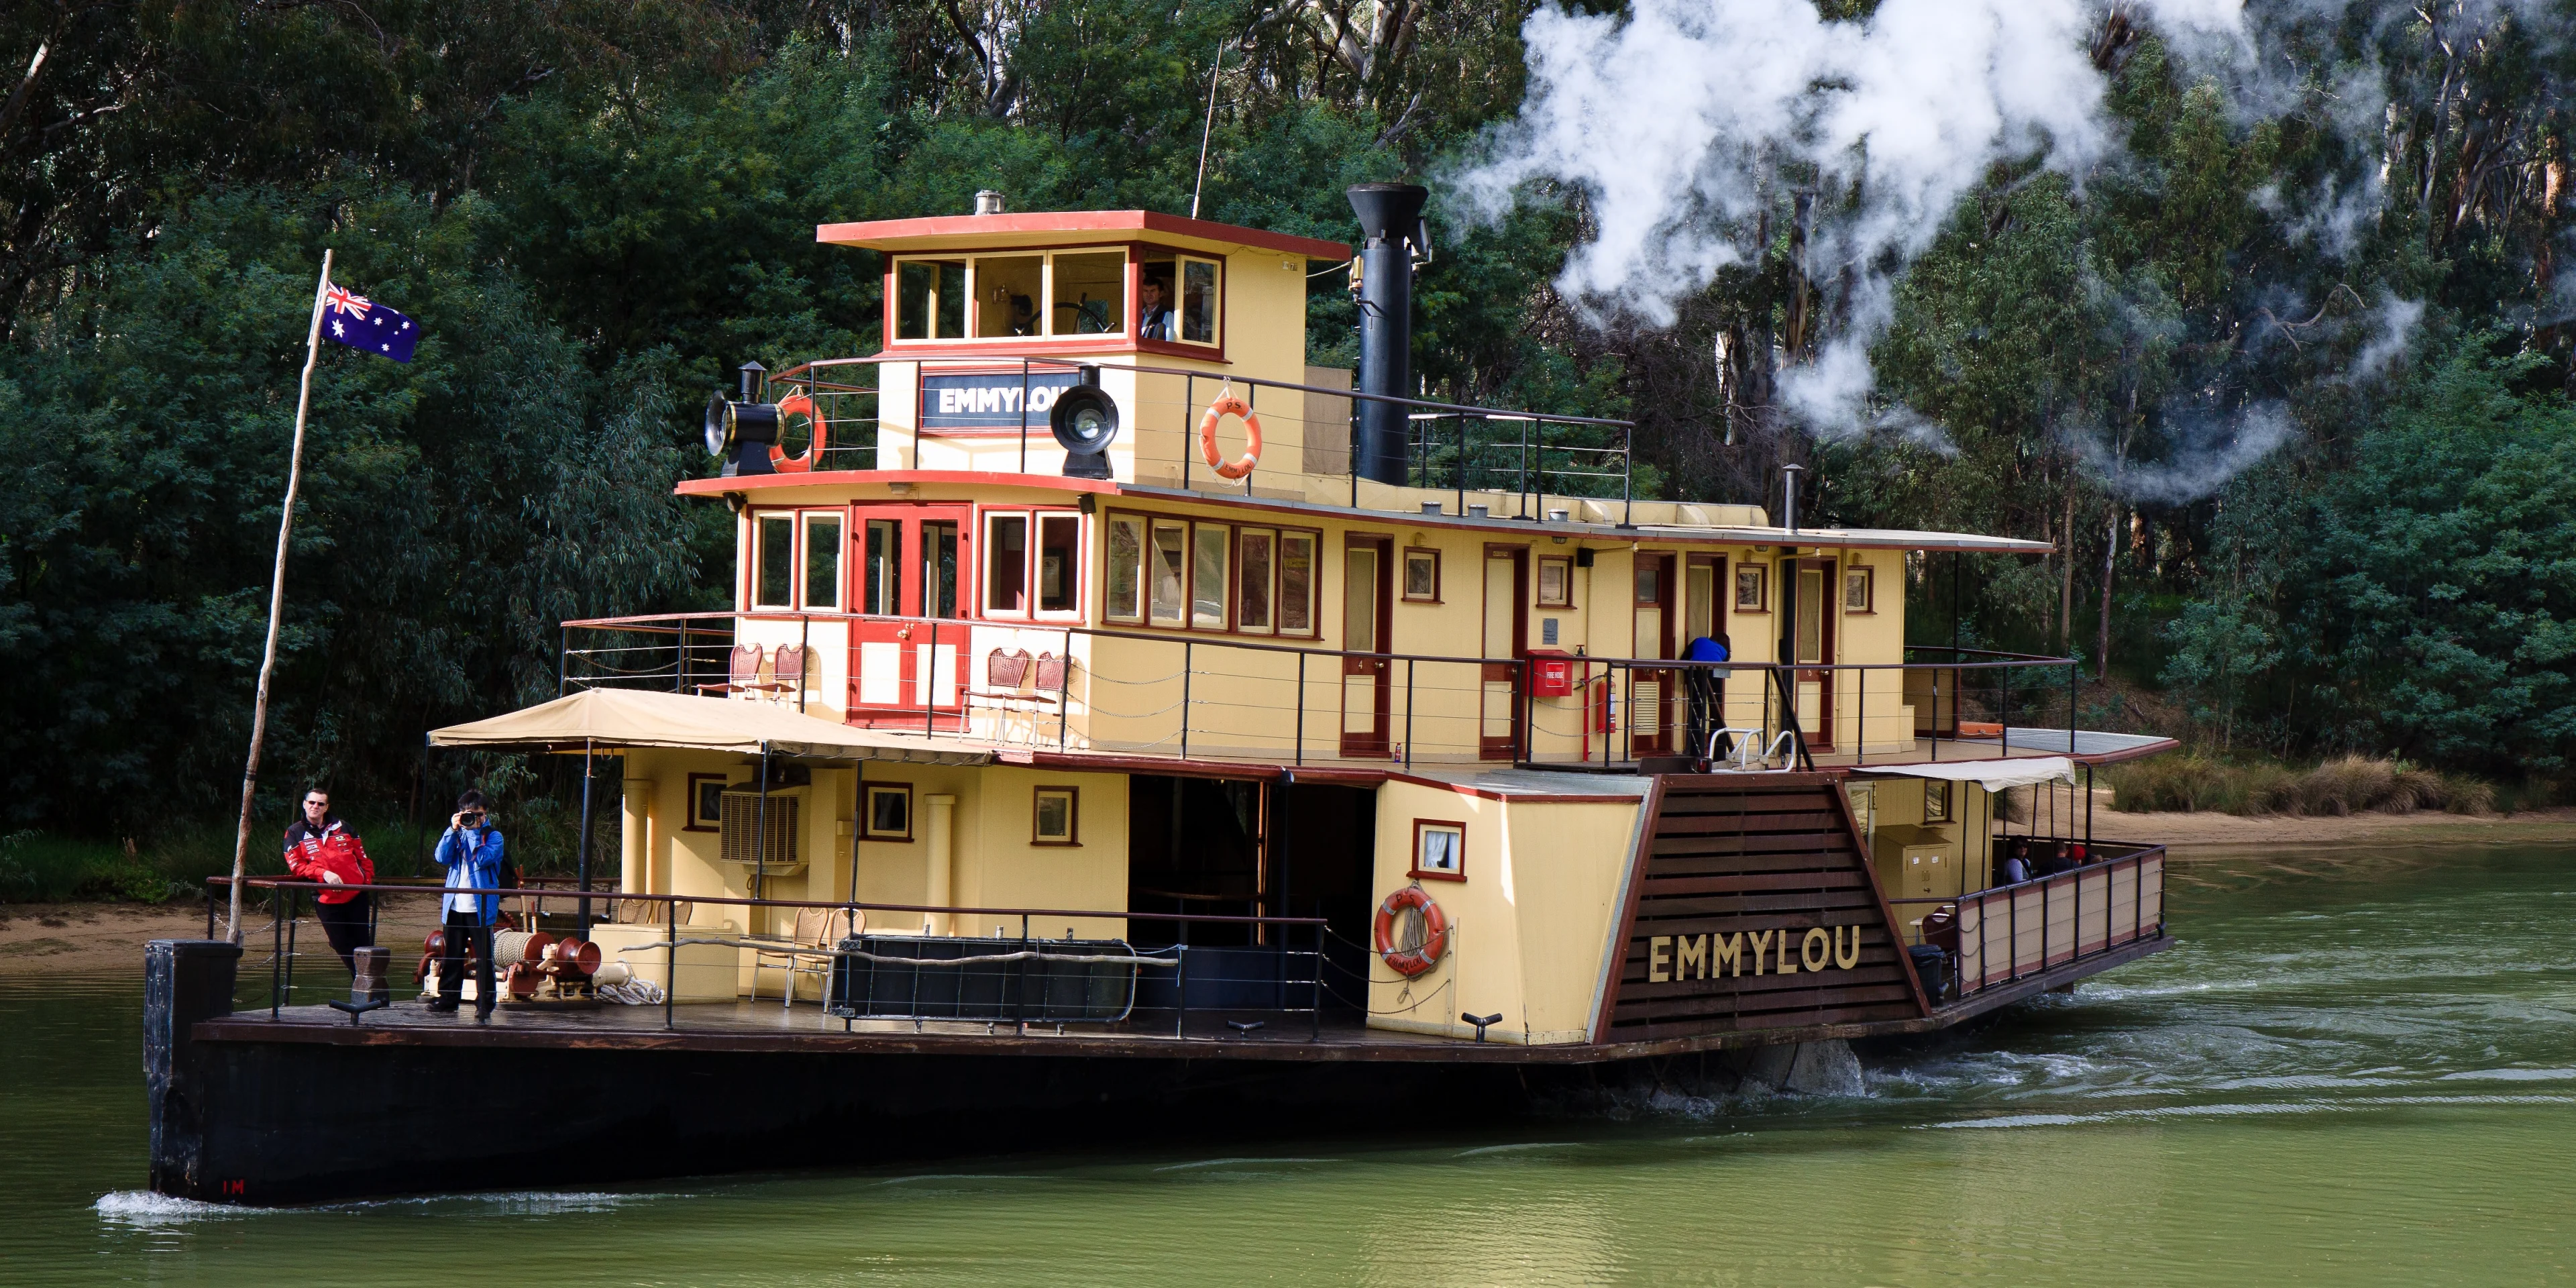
{"type": "Point", "coordinates": [1821, 948]}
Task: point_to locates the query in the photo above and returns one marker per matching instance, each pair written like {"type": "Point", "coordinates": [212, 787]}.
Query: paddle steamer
{"type": "Point", "coordinates": [1124, 725]}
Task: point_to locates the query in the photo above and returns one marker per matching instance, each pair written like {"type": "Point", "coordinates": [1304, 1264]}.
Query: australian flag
{"type": "Point", "coordinates": [361, 323]}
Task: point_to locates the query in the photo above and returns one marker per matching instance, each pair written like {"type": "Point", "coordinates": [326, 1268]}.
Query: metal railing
{"type": "Point", "coordinates": [1450, 446]}
{"type": "Point", "coordinates": [1185, 695]}
{"type": "Point", "coordinates": [2109, 898]}
{"type": "Point", "coordinates": [689, 960]}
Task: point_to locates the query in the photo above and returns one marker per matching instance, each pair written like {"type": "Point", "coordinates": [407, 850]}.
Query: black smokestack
{"type": "Point", "coordinates": [1390, 215]}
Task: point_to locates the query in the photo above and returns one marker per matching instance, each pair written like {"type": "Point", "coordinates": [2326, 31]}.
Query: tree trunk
{"type": "Point", "coordinates": [2102, 642]}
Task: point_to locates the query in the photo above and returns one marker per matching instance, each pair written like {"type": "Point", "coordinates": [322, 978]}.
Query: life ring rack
{"type": "Point", "coordinates": [1227, 404]}
{"type": "Point", "coordinates": [1411, 961]}
{"type": "Point", "coordinates": [779, 460]}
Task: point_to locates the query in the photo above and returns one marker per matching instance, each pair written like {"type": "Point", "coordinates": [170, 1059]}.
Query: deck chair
{"type": "Point", "coordinates": [786, 672]}
{"type": "Point", "coordinates": [742, 672]}
{"type": "Point", "coordinates": [815, 928]}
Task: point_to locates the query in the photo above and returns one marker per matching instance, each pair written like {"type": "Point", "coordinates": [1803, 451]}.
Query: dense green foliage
{"type": "Point", "coordinates": [599, 209]}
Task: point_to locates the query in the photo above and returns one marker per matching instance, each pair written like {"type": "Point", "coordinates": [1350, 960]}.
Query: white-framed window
{"type": "Point", "coordinates": [773, 559]}
{"type": "Point", "coordinates": [1006, 564]}
{"type": "Point", "coordinates": [1033, 563]}
{"type": "Point", "coordinates": [1123, 567]}
{"type": "Point", "coordinates": [822, 536]}
{"type": "Point", "coordinates": [1256, 581]}
{"type": "Point", "coordinates": [1209, 548]}
{"type": "Point", "coordinates": [1167, 572]}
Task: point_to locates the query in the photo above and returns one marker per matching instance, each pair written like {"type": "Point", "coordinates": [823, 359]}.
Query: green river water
{"type": "Point", "coordinates": [2356, 1069]}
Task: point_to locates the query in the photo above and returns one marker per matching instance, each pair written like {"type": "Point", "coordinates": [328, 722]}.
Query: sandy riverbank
{"type": "Point", "coordinates": [2213, 831]}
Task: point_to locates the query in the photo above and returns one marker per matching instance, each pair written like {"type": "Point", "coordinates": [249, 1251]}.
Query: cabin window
{"type": "Point", "coordinates": [1009, 292]}
{"type": "Point", "coordinates": [822, 561]}
{"type": "Point", "coordinates": [1207, 575]}
{"type": "Point", "coordinates": [1811, 615]}
{"type": "Point", "coordinates": [1421, 575]}
{"type": "Point", "coordinates": [1700, 603]}
{"type": "Point", "coordinates": [1055, 818]}
{"type": "Point", "coordinates": [1296, 583]}
{"type": "Point", "coordinates": [773, 580]}
{"type": "Point", "coordinates": [1059, 566]}
{"type": "Point", "coordinates": [930, 299]}
{"type": "Point", "coordinates": [1198, 302]}
{"type": "Point", "coordinates": [1006, 564]}
{"type": "Point", "coordinates": [939, 569]}
{"type": "Point", "coordinates": [1859, 588]}
{"type": "Point", "coordinates": [1439, 849]}
{"type": "Point", "coordinates": [1169, 572]}
{"type": "Point", "coordinates": [1555, 583]}
{"type": "Point", "coordinates": [1126, 570]}
{"type": "Point", "coordinates": [1089, 293]}
{"type": "Point", "coordinates": [1650, 582]}
{"type": "Point", "coordinates": [889, 811]}
{"type": "Point", "coordinates": [1259, 552]}
{"type": "Point", "coordinates": [1749, 589]}
{"type": "Point", "coordinates": [881, 591]}
{"type": "Point", "coordinates": [706, 803]}
{"type": "Point", "coordinates": [1936, 801]}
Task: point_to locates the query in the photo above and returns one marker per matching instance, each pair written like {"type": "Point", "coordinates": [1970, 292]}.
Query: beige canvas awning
{"type": "Point", "coordinates": [611, 718]}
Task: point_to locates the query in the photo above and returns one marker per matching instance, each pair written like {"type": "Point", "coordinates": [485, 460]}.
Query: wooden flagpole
{"type": "Point", "coordinates": [276, 599]}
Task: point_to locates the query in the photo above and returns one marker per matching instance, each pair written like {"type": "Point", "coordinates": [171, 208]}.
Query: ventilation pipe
{"type": "Point", "coordinates": [988, 202]}
{"type": "Point", "coordinates": [1391, 228]}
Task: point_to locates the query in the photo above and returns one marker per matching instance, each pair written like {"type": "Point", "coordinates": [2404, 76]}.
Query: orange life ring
{"type": "Point", "coordinates": [1229, 405]}
{"type": "Point", "coordinates": [1410, 962]}
{"type": "Point", "coordinates": [779, 460]}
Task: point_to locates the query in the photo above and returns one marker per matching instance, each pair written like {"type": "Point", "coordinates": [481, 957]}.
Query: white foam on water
{"type": "Point", "coordinates": [951, 1176]}
{"type": "Point", "coordinates": [143, 1207]}
{"type": "Point", "coordinates": [1512, 1149]}
{"type": "Point", "coordinates": [2509, 1075]}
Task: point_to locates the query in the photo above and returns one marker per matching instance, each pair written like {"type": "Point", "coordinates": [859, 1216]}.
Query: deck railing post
{"type": "Point", "coordinates": [1064, 693]}
{"type": "Point", "coordinates": [670, 956]}
{"type": "Point", "coordinates": [928, 673]}
{"type": "Point", "coordinates": [1408, 712]}
{"type": "Point", "coordinates": [1300, 736]}
{"type": "Point", "coordinates": [1186, 654]}
{"type": "Point", "coordinates": [294, 913]}
{"type": "Point", "coordinates": [276, 952]}
{"type": "Point", "coordinates": [1181, 998]}
{"type": "Point", "coordinates": [1935, 739]}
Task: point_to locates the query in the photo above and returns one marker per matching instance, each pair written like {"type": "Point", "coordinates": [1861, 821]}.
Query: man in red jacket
{"type": "Point", "coordinates": [319, 847]}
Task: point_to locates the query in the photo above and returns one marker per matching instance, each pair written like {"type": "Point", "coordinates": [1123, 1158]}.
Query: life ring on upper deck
{"type": "Point", "coordinates": [1411, 960]}
{"type": "Point", "coordinates": [1229, 405]}
{"type": "Point", "coordinates": [779, 460]}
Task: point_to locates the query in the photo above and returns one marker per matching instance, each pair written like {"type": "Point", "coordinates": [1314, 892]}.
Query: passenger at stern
{"type": "Point", "coordinates": [319, 847]}
{"type": "Point", "coordinates": [471, 852]}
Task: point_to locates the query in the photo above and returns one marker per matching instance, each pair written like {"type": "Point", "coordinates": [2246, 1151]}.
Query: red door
{"type": "Point", "coordinates": [913, 580]}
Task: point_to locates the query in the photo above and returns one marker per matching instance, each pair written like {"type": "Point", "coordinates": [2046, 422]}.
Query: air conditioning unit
{"type": "Point", "coordinates": [741, 824]}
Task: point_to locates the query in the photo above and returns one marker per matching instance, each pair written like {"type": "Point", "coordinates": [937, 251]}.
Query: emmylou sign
{"type": "Point", "coordinates": [1751, 907]}
{"type": "Point", "coordinates": [989, 399]}
{"type": "Point", "coordinates": [1820, 949]}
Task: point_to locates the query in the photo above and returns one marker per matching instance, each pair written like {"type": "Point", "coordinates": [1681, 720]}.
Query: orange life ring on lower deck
{"type": "Point", "coordinates": [1412, 961]}
{"type": "Point", "coordinates": [1229, 405]}
{"type": "Point", "coordinates": [779, 460]}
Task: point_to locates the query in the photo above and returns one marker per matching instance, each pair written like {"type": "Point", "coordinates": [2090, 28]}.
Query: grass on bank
{"type": "Point", "coordinates": [2189, 781]}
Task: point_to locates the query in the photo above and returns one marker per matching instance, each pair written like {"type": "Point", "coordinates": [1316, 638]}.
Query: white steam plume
{"type": "Point", "coordinates": [2207, 451]}
{"type": "Point", "coordinates": [1676, 120]}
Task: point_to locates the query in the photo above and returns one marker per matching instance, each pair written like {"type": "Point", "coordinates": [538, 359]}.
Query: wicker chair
{"type": "Point", "coordinates": [815, 928]}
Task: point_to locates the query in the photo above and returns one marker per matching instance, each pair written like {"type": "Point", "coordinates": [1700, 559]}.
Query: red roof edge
{"type": "Point", "coordinates": [874, 232]}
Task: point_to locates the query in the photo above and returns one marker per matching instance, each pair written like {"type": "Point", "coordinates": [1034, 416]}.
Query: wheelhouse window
{"type": "Point", "coordinates": [773, 578]}
{"type": "Point", "coordinates": [930, 299]}
{"type": "Point", "coordinates": [1054, 293]}
{"type": "Point", "coordinates": [1198, 301]}
{"type": "Point", "coordinates": [1010, 295]}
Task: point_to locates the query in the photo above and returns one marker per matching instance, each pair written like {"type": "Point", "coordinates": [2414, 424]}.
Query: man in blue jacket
{"type": "Point", "coordinates": [471, 853]}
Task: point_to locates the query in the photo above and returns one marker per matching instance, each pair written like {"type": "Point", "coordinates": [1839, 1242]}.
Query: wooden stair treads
{"type": "Point", "coordinates": [1735, 872]}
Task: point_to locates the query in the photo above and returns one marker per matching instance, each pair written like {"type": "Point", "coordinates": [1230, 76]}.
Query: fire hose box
{"type": "Point", "coordinates": [1551, 673]}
